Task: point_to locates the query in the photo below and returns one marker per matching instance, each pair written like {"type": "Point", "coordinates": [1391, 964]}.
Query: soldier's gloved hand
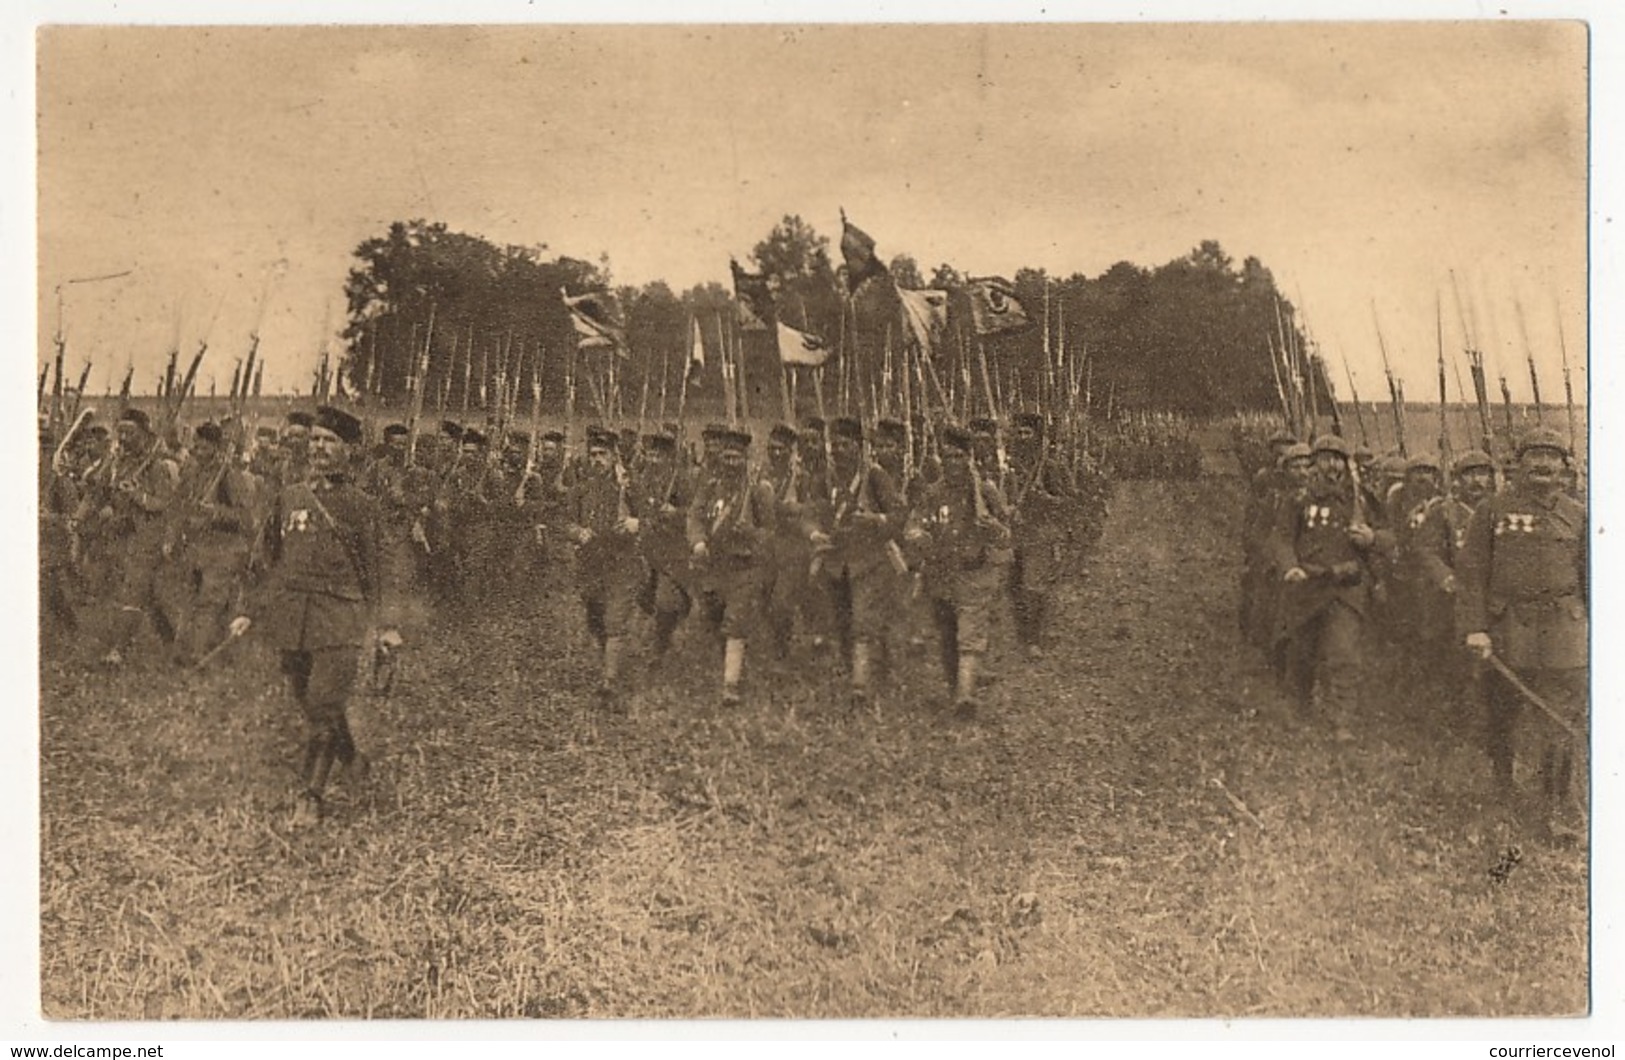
{"type": "Point", "coordinates": [700, 551]}
{"type": "Point", "coordinates": [1448, 586]}
{"type": "Point", "coordinates": [668, 509]}
{"type": "Point", "coordinates": [240, 625]}
{"type": "Point", "coordinates": [869, 518]}
{"type": "Point", "coordinates": [1362, 535]}
{"type": "Point", "coordinates": [914, 533]}
{"type": "Point", "coordinates": [1295, 575]}
{"type": "Point", "coordinates": [1479, 644]}
{"type": "Point", "coordinates": [630, 524]}
{"type": "Point", "coordinates": [583, 536]}
{"type": "Point", "coordinates": [390, 639]}
{"type": "Point", "coordinates": [819, 539]}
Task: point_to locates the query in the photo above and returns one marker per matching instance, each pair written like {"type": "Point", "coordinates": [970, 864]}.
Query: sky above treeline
{"type": "Point", "coordinates": [1364, 163]}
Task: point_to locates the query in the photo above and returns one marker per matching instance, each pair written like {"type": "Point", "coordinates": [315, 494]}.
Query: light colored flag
{"type": "Point", "coordinates": [926, 315]}
{"type": "Point", "coordinates": [994, 306]}
{"type": "Point", "coordinates": [800, 348]}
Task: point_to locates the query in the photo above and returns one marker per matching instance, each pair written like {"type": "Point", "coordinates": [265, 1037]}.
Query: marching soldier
{"type": "Point", "coordinates": [962, 525]}
{"type": "Point", "coordinates": [128, 507]}
{"type": "Point", "coordinates": [788, 552]}
{"type": "Point", "coordinates": [661, 488]}
{"type": "Point", "coordinates": [1437, 542]}
{"type": "Point", "coordinates": [321, 593]}
{"type": "Point", "coordinates": [1258, 522]}
{"type": "Point", "coordinates": [1322, 543]}
{"type": "Point", "coordinates": [1522, 598]}
{"type": "Point", "coordinates": [1041, 516]}
{"type": "Point", "coordinates": [728, 522]}
{"type": "Point", "coordinates": [208, 540]}
{"type": "Point", "coordinates": [600, 518]}
{"type": "Point", "coordinates": [853, 529]}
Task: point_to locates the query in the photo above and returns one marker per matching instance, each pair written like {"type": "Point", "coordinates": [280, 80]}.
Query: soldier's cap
{"type": "Point", "coordinates": [1363, 454]}
{"type": "Point", "coordinates": [301, 418]}
{"type": "Point", "coordinates": [1392, 464]}
{"type": "Point", "coordinates": [892, 431]}
{"type": "Point", "coordinates": [1296, 451]}
{"type": "Point", "coordinates": [99, 430]}
{"type": "Point", "coordinates": [1331, 443]}
{"type": "Point", "coordinates": [518, 439]}
{"type": "Point", "coordinates": [554, 435]}
{"type": "Point", "coordinates": [784, 434]}
{"type": "Point", "coordinates": [1032, 421]}
{"type": "Point", "coordinates": [713, 432]}
{"type": "Point", "coordinates": [341, 423]}
{"type": "Point", "coordinates": [266, 432]}
{"type": "Point", "coordinates": [1542, 438]}
{"type": "Point", "coordinates": [602, 438]}
{"type": "Point", "coordinates": [814, 425]}
{"type": "Point", "coordinates": [629, 434]}
{"type": "Point", "coordinates": [1283, 437]}
{"type": "Point", "coordinates": [983, 425]}
{"type": "Point", "coordinates": [1472, 460]}
{"type": "Point", "coordinates": [396, 430]}
{"type": "Point", "coordinates": [1422, 462]}
{"type": "Point", "coordinates": [846, 427]}
{"type": "Point", "coordinates": [736, 440]}
{"type": "Point", "coordinates": [957, 438]}
{"type": "Point", "coordinates": [210, 432]}
{"type": "Point", "coordinates": [137, 417]}
{"type": "Point", "coordinates": [673, 428]}
{"type": "Point", "coordinates": [476, 438]}
{"type": "Point", "coordinates": [451, 429]}
{"type": "Point", "coordinates": [659, 443]}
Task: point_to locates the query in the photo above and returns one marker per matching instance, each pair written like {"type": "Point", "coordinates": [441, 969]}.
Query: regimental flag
{"type": "Point", "coordinates": [858, 250]}
{"type": "Point", "coordinates": [994, 306]}
{"type": "Point", "coordinates": [926, 315]}
{"type": "Point", "coordinates": [753, 299]}
{"type": "Point", "coordinates": [596, 317]}
{"type": "Point", "coordinates": [801, 348]}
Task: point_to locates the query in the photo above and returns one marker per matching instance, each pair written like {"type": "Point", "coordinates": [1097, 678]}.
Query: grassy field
{"type": "Point", "coordinates": [1140, 827]}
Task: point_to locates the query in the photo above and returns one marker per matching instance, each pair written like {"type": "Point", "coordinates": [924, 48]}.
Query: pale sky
{"type": "Point", "coordinates": [1360, 162]}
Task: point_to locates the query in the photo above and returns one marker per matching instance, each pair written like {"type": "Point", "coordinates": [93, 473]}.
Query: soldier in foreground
{"type": "Point", "coordinates": [208, 540]}
{"type": "Point", "coordinates": [728, 523]}
{"type": "Point", "coordinates": [600, 519]}
{"type": "Point", "coordinates": [321, 593]}
{"type": "Point", "coordinates": [1522, 591]}
{"type": "Point", "coordinates": [1323, 543]}
{"type": "Point", "coordinates": [962, 528]}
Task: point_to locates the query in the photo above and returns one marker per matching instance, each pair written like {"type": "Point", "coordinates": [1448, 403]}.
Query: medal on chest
{"type": "Point", "coordinates": [1515, 523]}
{"type": "Point", "coordinates": [1316, 516]}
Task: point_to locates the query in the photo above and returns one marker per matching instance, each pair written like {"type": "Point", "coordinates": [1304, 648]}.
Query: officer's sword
{"type": "Point", "coordinates": [1533, 697]}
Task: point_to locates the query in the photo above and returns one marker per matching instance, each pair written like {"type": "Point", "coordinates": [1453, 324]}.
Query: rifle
{"type": "Point", "coordinates": [1394, 389]}
{"type": "Point", "coordinates": [420, 380]}
{"type": "Point", "coordinates": [1529, 355]}
{"type": "Point", "coordinates": [1568, 387]}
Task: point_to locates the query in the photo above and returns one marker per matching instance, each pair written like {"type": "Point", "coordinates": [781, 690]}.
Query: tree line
{"type": "Point", "coordinates": [1193, 335]}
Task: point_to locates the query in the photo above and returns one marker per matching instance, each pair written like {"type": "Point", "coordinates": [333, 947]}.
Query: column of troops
{"type": "Point", "coordinates": [1465, 586]}
{"type": "Point", "coordinates": [328, 546]}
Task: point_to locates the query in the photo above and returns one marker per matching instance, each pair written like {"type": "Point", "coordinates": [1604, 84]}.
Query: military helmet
{"type": "Point", "coordinates": [1422, 462]}
{"type": "Point", "coordinates": [1542, 438]}
{"type": "Point", "coordinates": [1282, 437]}
{"type": "Point", "coordinates": [1471, 460]}
{"type": "Point", "coordinates": [1331, 443]}
{"type": "Point", "coordinates": [1296, 451]}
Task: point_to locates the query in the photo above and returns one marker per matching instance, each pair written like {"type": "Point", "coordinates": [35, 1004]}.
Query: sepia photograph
{"type": "Point", "coordinates": [812, 521]}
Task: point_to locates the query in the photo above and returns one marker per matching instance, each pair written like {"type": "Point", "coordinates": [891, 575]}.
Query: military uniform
{"type": "Point", "coordinates": [728, 522]}
{"type": "Point", "coordinates": [1522, 572]}
{"type": "Point", "coordinates": [1322, 613]}
{"type": "Point", "coordinates": [854, 528]}
{"type": "Point", "coordinates": [661, 491]}
{"type": "Point", "coordinates": [321, 593]}
{"type": "Point", "coordinates": [1043, 512]}
{"type": "Point", "coordinates": [962, 531]}
{"type": "Point", "coordinates": [208, 540]}
{"type": "Point", "coordinates": [601, 517]}
{"type": "Point", "coordinates": [135, 497]}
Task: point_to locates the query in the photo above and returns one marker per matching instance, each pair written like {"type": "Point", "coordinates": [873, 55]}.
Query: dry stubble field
{"type": "Point", "coordinates": [1140, 827]}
